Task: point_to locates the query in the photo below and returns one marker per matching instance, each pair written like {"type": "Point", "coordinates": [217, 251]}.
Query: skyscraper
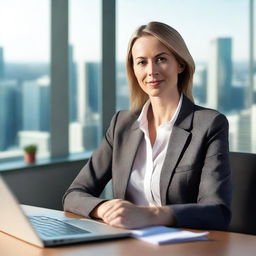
{"type": "Point", "coordinates": [244, 132]}
{"type": "Point", "coordinates": [93, 81]}
{"type": "Point", "coordinates": [122, 90]}
{"type": "Point", "coordinates": [89, 81]}
{"type": "Point", "coordinates": [72, 85]}
{"type": "Point", "coordinates": [1, 63]}
{"type": "Point", "coordinates": [220, 74]}
{"type": "Point", "coordinates": [88, 98]}
{"type": "Point", "coordinates": [8, 120]}
{"type": "Point", "coordinates": [35, 103]}
{"type": "Point", "coordinates": [200, 84]}
{"type": "Point", "coordinates": [250, 91]}
{"type": "Point", "coordinates": [253, 128]}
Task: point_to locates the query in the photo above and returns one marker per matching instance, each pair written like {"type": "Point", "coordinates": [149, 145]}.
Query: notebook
{"type": "Point", "coordinates": [46, 230]}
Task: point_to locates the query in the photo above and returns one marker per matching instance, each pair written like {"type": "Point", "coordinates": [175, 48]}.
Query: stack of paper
{"type": "Point", "coordinates": [164, 235]}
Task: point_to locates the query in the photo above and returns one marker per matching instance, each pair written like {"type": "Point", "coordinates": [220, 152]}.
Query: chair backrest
{"type": "Point", "coordinates": [243, 166]}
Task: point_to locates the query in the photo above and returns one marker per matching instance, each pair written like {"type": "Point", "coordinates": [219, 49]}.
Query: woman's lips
{"type": "Point", "coordinates": [155, 82]}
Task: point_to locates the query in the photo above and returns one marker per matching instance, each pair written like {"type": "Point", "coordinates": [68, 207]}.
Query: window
{"type": "Point", "coordinates": [24, 76]}
{"type": "Point", "coordinates": [217, 35]}
{"type": "Point", "coordinates": [84, 74]}
{"type": "Point", "coordinates": [224, 78]}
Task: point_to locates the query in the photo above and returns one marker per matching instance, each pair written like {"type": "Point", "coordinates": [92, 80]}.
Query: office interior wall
{"type": "Point", "coordinates": [43, 186]}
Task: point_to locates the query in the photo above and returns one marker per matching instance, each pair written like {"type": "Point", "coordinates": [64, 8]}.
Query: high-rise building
{"type": "Point", "coordinates": [253, 128]}
{"type": "Point", "coordinates": [233, 120]}
{"type": "Point", "coordinates": [88, 98]}
{"type": "Point", "coordinates": [250, 99]}
{"type": "Point", "coordinates": [242, 126]}
{"type": "Point", "coordinates": [1, 63]}
{"type": "Point", "coordinates": [93, 82]}
{"type": "Point", "coordinates": [200, 84]}
{"type": "Point", "coordinates": [89, 93]}
{"type": "Point", "coordinates": [220, 74]}
{"type": "Point", "coordinates": [35, 101]}
{"type": "Point", "coordinates": [72, 85]}
{"type": "Point", "coordinates": [245, 131]}
{"type": "Point", "coordinates": [44, 83]}
{"type": "Point", "coordinates": [76, 137]}
{"type": "Point", "coordinates": [8, 115]}
{"type": "Point", "coordinates": [122, 90]}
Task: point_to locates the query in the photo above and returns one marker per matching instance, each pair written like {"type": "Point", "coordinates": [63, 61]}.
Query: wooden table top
{"type": "Point", "coordinates": [218, 244]}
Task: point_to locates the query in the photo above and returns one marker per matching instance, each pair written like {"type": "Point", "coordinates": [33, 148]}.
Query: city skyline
{"type": "Point", "coordinates": [87, 39]}
{"type": "Point", "coordinates": [85, 83]}
{"type": "Point", "coordinates": [221, 68]}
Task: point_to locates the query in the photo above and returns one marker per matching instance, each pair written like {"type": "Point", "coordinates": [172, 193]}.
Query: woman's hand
{"type": "Point", "coordinates": [123, 214]}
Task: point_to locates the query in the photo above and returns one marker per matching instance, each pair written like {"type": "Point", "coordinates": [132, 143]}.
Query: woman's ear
{"type": "Point", "coordinates": [181, 68]}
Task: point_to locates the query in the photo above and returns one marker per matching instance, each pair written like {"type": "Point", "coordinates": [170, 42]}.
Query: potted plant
{"type": "Point", "coordinates": [30, 153]}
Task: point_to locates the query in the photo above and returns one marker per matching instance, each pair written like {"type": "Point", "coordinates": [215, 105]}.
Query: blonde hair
{"type": "Point", "coordinates": [175, 43]}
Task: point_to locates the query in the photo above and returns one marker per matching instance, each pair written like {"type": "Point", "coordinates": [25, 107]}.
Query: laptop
{"type": "Point", "coordinates": [47, 230]}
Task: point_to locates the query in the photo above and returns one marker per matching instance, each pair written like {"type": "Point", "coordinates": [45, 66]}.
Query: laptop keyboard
{"type": "Point", "coordinates": [50, 227]}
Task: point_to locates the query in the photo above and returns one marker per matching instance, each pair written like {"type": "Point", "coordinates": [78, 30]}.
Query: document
{"type": "Point", "coordinates": [164, 235]}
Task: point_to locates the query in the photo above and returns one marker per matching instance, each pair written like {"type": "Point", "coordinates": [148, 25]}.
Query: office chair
{"type": "Point", "coordinates": [243, 166]}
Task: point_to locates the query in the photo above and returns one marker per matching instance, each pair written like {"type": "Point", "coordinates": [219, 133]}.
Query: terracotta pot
{"type": "Point", "coordinates": [29, 158]}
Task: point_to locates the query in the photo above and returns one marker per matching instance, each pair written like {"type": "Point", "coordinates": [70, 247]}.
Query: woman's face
{"type": "Point", "coordinates": [155, 67]}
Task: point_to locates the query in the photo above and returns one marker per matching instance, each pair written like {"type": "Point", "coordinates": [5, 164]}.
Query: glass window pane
{"type": "Point", "coordinates": [217, 35]}
{"type": "Point", "coordinates": [85, 74]}
{"type": "Point", "coordinates": [24, 76]}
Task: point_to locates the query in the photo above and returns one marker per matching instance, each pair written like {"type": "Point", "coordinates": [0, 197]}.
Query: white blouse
{"type": "Point", "coordinates": [144, 184]}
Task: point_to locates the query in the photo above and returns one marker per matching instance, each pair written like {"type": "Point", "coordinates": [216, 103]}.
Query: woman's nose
{"type": "Point", "coordinates": [152, 69]}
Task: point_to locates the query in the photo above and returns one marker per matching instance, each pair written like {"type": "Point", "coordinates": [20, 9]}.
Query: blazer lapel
{"type": "Point", "coordinates": [177, 145]}
{"type": "Point", "coordinates": [129, 150]}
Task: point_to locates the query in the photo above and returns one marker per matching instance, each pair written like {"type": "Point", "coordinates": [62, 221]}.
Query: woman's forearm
{"type": "Point", "coordinates": [121, 213]}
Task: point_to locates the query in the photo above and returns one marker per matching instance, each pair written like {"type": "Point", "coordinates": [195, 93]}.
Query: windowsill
{"type": "Point", "coordinates": [19, 164]}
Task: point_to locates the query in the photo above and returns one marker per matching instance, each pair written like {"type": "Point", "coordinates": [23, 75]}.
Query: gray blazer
{"type": "Point", "coordinates": [195, 179]}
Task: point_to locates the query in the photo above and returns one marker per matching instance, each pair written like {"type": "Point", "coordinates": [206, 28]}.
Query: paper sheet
{"type": "Point", "coordinates": [164, 235]}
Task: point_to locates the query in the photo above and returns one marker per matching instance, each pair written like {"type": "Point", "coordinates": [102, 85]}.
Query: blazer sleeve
{"type": "Point", "coordinates": [212, 210]}
{"type": "Point", "coordinates": [83, 194]}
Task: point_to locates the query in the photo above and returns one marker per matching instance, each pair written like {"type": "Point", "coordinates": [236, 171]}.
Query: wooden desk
{"type": "Point", "coordinates": [219, 244]}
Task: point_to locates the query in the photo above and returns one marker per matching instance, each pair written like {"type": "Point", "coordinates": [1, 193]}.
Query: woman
{"type": "Point", "coordinates": [167, 157]}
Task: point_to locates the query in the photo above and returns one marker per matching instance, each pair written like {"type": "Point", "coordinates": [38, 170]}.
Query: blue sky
{"type": "Point", "coordinates": [24, 29]}
{"type": "Point", "coordinates": [25, 25]}
{"type": "Point", "coordinates": [198, 21]}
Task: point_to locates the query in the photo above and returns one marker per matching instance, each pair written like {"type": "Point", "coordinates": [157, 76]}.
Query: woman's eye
{"type": "Point", "coordinates": [141, 63]}
{"type": "Point", "coordinates": [160, 59]}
